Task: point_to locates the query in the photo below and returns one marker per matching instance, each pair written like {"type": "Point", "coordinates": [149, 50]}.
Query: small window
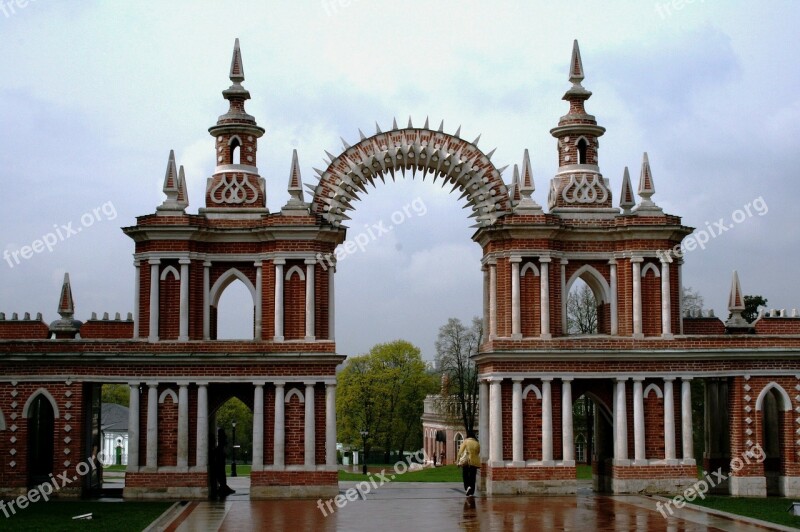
{"type": "Point", "coordinates": [583, 148]}
{"type": "Point", "coordinates": [235, 151]}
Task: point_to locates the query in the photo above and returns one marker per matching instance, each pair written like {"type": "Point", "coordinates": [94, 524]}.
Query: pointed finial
{"type": "Point", "coordinates": [441, 126]}
{"type": "Point", "coordinates": [576, 64]}
{"type": "Point", "coordinates": [410, 125]}
{"type": "Point", "coordinates": [345, 144]}
{"type": "Point", "coordinates": [183, 192]}
{"type": "Point", "coordinates": [361, 134]}
{"type": "Point", "coordinates": [171, 189]}
{"type": "Point", "coordinates": [237, 69]}
{"type": "Point", "coordinates": [66, 306]}
{"type": "Point", "coordinates": [527, 186]}
{"type": "Point", "coordinates": [736, 307]}
{"type": "Point", "coordinates": [427, 126]}
{"type": "Point", "coordinates": [296, 206]}
{"type": "Point", "coordinates": [458, 132]}
{"type": "Point", "coordinates": [377, 129]}
{"type": "Point", "coordinates": [171, 175]}
{"type": "Point", "coordinates": [513, 190]}
{"type": "Point", "coordinates": [646, 187]}
{"type": "Point", "coordinates": [477, 139]}
{"type": "Point", "coordinates": [626, 198]}
{"type": "Point", "coordinates": [394, 124]}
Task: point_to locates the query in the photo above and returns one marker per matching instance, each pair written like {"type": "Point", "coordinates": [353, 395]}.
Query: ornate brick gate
{"type": "Point", "coordinates": [637, 369]}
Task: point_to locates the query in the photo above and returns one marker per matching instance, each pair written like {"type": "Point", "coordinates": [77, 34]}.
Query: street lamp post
{"type": "Point", "coordinates": [364, 435]}
{"type": "Point", "coordinates": [233, 451]}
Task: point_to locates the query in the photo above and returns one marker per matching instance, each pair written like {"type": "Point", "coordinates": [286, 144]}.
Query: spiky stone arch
{"type": "Point", "coordinates": [458, 162]}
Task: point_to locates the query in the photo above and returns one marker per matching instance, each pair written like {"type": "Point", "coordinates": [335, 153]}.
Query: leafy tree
{"type": "Point", "coordinates": [581, 311]}
{"type": "Point", "coordinates": [116, 393]}
{"type": "Point", "coordinates": [455, 347]}
{"type": "Point", "coordinates": [692, 300]}
{"type": "Point", "coordinates": [383, 393]}
{"type": "Point", "coordinates": [235, 410]}
{"type": "Point", "coordinates": [751, 306]}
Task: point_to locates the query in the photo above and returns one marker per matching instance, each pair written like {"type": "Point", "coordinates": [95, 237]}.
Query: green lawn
{"type": "Point", "coordinates": [242, 470]}
{"type": "Point", "coordinates": [106, 516]}
{"type": "Point", "coordinates": [584, 472]}
{"type": "Point", "coordinates": [772, 509]}
{"type": "Point", "coordinates": [429, 474]}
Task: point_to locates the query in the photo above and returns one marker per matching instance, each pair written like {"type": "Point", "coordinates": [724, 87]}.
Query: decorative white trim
{"type": "Point", "coordinates": [168, 392]}
{"type": "Point", "coordinates": [226, 279]}
{"type": "Point", "coordinates": [529, 388]}
{"type": "Point", "coordinates": [650, 266]}
{"type": "Point", "coordinates": [172, 270]}
{"type": "Point", "coordinates": [49, 397]}
{"type": "Point", "coordinates": [787, 402]}
{"type": "Point", "coordinates": [295, 269]}
{"type": "Point", "coordinates": [529, 266]}
{"type": "Point", "coordinates": [654, 387]}
{"type": "Point", "coordinates": [595, 281]}
{"type": "Point", "coordinates": [290, 393]}
{"type": "Point", "coordinates": [2, 421]}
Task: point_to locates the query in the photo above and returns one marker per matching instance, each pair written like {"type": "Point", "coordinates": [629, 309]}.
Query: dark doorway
{"type": "Point", "coordinates": [41, 420]}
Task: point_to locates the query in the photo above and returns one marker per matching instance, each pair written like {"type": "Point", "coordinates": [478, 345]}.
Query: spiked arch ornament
{"type": "Point", "coordinates": [457, 162]}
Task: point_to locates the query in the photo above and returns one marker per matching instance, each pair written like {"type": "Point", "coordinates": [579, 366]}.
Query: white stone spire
{"type": "Point", "coordinates": [626, 198]}
{"type": "Point", "coordinates": [647, 188]}
{"type": "Point", "coordinates": [296, 206]}
{"type": "Point", "coordinates": [171, 205]}
{"type": "Point", "coordinates": [736, 305]}
{"type": "Point", "coordinates": [526, 188]}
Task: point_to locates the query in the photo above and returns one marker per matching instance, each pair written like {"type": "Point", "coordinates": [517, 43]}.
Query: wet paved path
{"type": "Point", "coordinates": [439, 507]}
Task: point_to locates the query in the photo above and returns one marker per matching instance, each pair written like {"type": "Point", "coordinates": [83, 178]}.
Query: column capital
{"type": "Point", "coordinates": [137, 262]}
{"type": "Point", "coordinates": [665, 258]}
{"type": "Point", "coordinates": [637, 260]}
{"type": "Point", "coordinates": [567, 379]}
{"type": "Point", "coordinates": [134, 383]}
{"type": "Point", "coordinates": [152, 384]}
{"type": "Point", "coordinates": [515, 259]}
{"type": "Point", "coordinates": [258, 263]}
{"type": "Point", "coordinates": [494, 380]}
{"type": "Point", "coordinates": [612, 261]}
{"type": "Point", "coordinates": [330, 385]}
{"type": "Point", "coordinates": [278, 261]}
{"type": "Point", "coordinates": [279, 384]}
{"type": "Point", "coordinates": [545, 259]}
{"type": "Point", "coordinates": [621, 379]}
{"type": "Point", "coordinates": [547, 379]}
{"type": "Point", "coordinates": [637, 379]}
{"type": "Point", "coordinates": [310, 262]}
{"type": "Point", "coordinates": [154, 262]}
{"type": "Point", "coordinates": [517, 379]}
{"type": "Point", "coordinates": [564, 262]}
{"type": "Point", "coordinates": [201, 383]}
{"type": "Point", "coordinates": [669, 379]}
{"type": "Point", "coordinates": [259, 383]}
{"type": "Point", "coordinates": [182, 384]}
{"type": "Point", "coordinates": [310, 383]}
{"type": "Point", "coordinates": [207, 264]}
{"type": "Point", "coordinates": [185, 260]}
{"type": "Point", "coordinates": [686, 379]}
{"type": "Point", "coordinates": [492, 262]}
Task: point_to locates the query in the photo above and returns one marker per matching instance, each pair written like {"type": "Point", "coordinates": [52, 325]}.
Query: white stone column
{"type": "Point", "coordinates": [612, 264]}
{"type": "Point", "coordinates": [309, 425]}
{"type": "Point", "coordinates": [636, 269]}
{"type": "Point", "coordinates": [544, 278]}
{"type": "Point", "coordinates": [137, 287]}
{"type": "Point", "coordinates": [133, 427]}
{"type": "Point", "coordinates": [279, 432]}
{"type": "Point", "coordinates": [330, 424]}
{"type": "Point", "coordinates": [206, 300]}
{"type": "Point", "coordinates": [547, 422]}
{"type": "Point", "coordinates": [183, 329]}
{"type": "Point", "coordinates": [258, 426]}
{"type": "Point", "coordinates": [621, 422]}
{"type": "Point", "coordinates": [331, 303]}
{"type": "Point", "coordinates": [686, 420]}
{"type": "Point", "coordinates": [495, 423]}
{"type": "Point", "coordinates": [183, 426]}
{"type": "Point", "coordinates": [666, 307]}
{"type": "Point", "coordinates": [516, 312]}
{"type": "Point", "coordinates": [152, 426]}
{"type": "Point", "coordinates": [679, 264]}
{"type": "Point", "coordinates": [567, 433]}
{"type": "Point", "coordinates": [202, 427]}
{"type": "Point", "coordinates": [564, 328]}
{"type": "Point", "coordinates": [493, 299]}
{"type": "Point", "coordinates": [638, 423]}
{"type": "Point", "coordinates": [483, 419]}
{"type": "Point", "coordinates": [154, 281]}
{"type": "Point", "coordinates": [259, 296]}
{"type": "Point", "coordinates": [669, 420]}
{"type": "Point", "coordinates": [310, 300]}
{"type": "Point", "coordinates": [279, 299]}
{"type": "Point", "coordinates": [516, 423]}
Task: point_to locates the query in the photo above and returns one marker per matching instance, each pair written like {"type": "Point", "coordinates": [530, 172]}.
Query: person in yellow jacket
{"type": "Point", "coordinates": [469, 459]}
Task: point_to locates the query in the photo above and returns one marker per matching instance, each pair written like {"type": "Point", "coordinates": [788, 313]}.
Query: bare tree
{"type": "Point", "coordinates": [581, 311]}
{"type": "Point", "coordinates": [454, 348]}
{"type": "Point", "coordinates": [692, 300]}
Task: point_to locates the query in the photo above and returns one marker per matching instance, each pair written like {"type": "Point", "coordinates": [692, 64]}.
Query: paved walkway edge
{"type": "Point", "coordinates": [736, 517]}
{"type": "Point", "coordinates": [163, 521]}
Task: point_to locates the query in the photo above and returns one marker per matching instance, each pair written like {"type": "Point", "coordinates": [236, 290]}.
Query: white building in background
{"type": "Point", "coordinates": [114, 434]}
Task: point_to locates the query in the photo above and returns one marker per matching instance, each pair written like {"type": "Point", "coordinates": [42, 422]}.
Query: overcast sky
{"type": "Point", "coordinates": [95, 94]}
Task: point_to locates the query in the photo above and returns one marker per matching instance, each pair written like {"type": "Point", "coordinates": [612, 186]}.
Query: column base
{"type": "Point", "coordinates": [294, 484]}
{"type": "Point", "coordinates": [516, 336]}
{"type": "Point", "coordinates": [748, 486]}
{"type": "Point", "coordinates": [789, 486]}
{"type": "Point", "coordinates": [544, 480]}
{"type": "Point", "coordinates": [277, 338]}
{"type": "Point", "coordinates": [165, 485]}
{"type": "Point", "coordinates": [651, 478]}
{"type": "Point", "coordinates": [310, 339]}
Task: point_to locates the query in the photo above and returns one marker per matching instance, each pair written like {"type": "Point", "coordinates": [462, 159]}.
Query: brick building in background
{"type": "Point", "coordinates": [637, 370]}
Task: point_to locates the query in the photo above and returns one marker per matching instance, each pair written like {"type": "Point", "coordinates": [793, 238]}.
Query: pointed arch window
{"type": "Point", "coordinates": [583, 151]}
{"type": "Point", "coordinates": [236, 151]}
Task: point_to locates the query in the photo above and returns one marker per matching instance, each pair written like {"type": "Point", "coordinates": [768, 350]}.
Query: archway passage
{"type": "Point", "coordinates": [457, 162]}
{"type": "Point", "coordinates": [772, 433]}
{"type": "Point", "coordinates": [230, 437]}
{"type": "Point", "coordinates": [41, 424]}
